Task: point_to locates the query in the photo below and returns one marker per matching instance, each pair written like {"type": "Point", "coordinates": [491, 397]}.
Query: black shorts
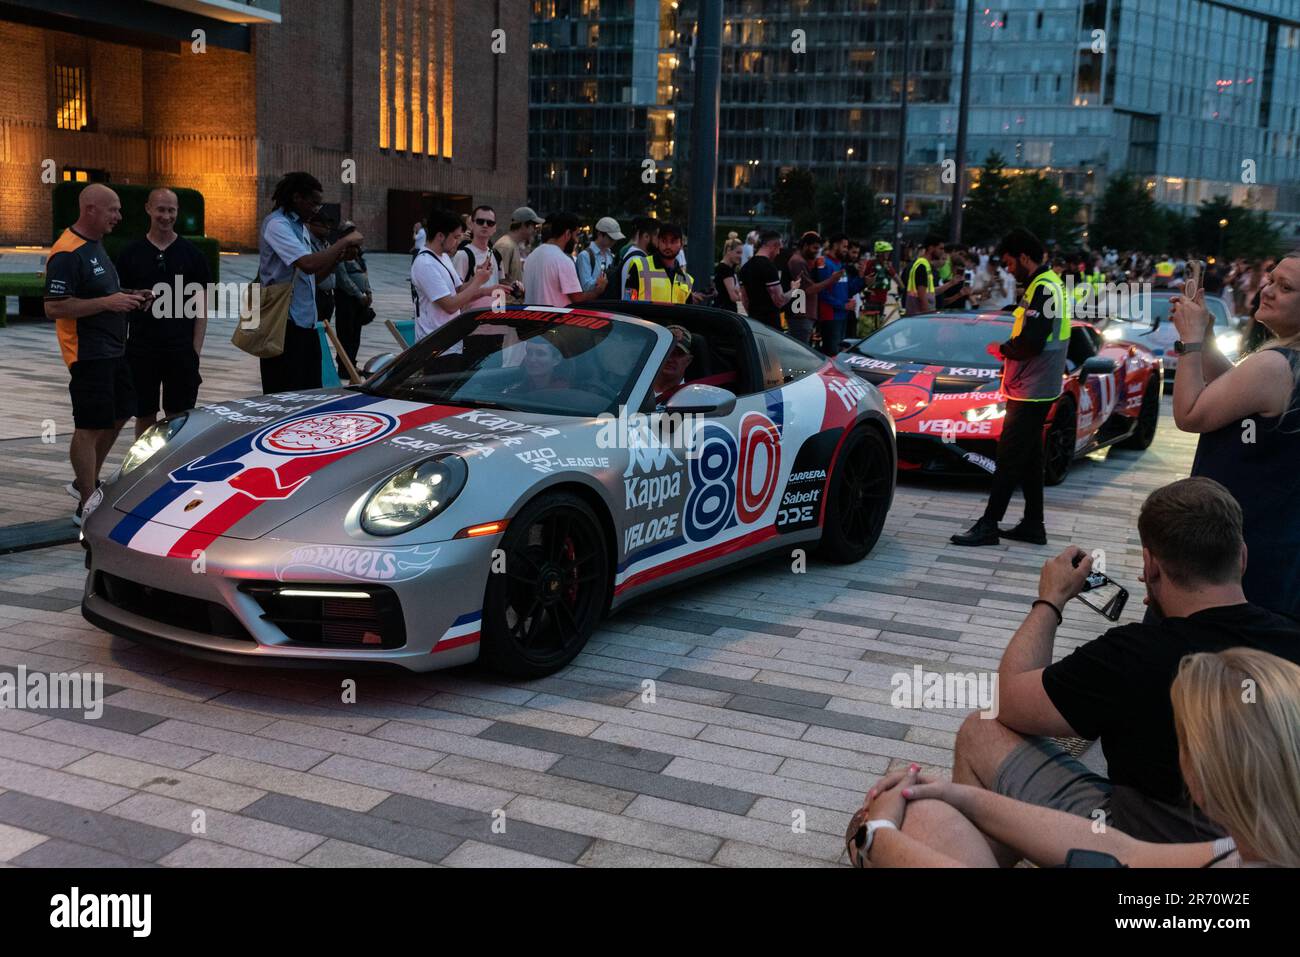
{"type": "Point", "coordinates": [102, 394]}
{"type": "Point", "coordinates": [174, 371]}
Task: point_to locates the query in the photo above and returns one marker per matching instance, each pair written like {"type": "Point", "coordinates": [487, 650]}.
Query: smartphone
{"type": "Point", "coordinates": [1192, 284]}
{"type": "Point", "coordinates": [1077, 857]}
{"type": "Point", "coordinates": [1107, 598]}
{"type": "Point", "coordinates": [970, 276]}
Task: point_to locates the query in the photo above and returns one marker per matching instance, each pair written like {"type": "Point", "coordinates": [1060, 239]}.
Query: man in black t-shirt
{"type": "Point", "coordinates": [88, 305]}
{"type": "Point", "coordinates": [765, 298]}
{"type": "Point", "coordinates": [165, 339]}
{"type": "Point", "coordinates": [1116, 687]}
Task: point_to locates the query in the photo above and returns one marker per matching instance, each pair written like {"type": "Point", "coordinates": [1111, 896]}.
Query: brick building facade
{"type": "Point", "coordinates": [409, 91]}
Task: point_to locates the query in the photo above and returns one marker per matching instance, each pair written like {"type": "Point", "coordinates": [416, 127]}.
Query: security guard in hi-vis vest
{"type": "Point", "coordinates": [1034, 369]}
{"type": "Point", "coordinates": [667, 280]}
{"type": "Point", "coordinates": [920, 277]}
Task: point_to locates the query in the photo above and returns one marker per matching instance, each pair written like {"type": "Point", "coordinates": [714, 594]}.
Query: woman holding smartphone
{"type": "Point", "coordinates": [1248, 417]}
{"type": "Point", "coordinates": [1239, 760]}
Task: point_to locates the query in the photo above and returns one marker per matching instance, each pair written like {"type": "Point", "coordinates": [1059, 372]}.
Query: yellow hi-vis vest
{"type": "Point", "coordinates": [911, 275]}
{"type": "Point", "coordinates": [655, 285]}
{"type": "Point", "coordinates": [1038, 378]}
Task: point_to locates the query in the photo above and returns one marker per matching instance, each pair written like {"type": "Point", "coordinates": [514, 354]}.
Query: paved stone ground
{"type": "Point", "coordinates": [772, 698]}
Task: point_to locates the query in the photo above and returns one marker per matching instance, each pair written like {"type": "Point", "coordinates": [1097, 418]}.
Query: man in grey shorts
{"type": "Point", "coordinates": [1116, 687]}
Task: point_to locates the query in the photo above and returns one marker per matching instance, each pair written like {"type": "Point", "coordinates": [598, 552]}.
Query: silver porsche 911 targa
{"type": "Point", "coordinates": [489, 493]}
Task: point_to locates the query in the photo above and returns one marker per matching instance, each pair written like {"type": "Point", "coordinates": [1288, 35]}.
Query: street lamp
{"type": "Point", "coordinates": [1223, 226]}
{"type": "Point", "coordinates": [844, 195]}
{"type": "Point", "coordinates": [1053, 209]}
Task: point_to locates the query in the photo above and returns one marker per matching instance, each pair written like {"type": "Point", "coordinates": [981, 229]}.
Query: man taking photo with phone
{"type": "Point", "coordinates": [1116, 687]}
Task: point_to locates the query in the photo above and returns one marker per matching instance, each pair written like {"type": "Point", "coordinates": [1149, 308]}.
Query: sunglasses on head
{"type": "Point", "coordinates": [486, 222]}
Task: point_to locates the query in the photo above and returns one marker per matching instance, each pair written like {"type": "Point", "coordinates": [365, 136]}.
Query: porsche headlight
{"type": "Point", "coordinates": [148, 445]}
{"type": "Point", "coordinates": [1228, 342]}
{"type": "Point", "coordinates": [414, 495]}
{"type": "Point", "coordinates": [985, 413]}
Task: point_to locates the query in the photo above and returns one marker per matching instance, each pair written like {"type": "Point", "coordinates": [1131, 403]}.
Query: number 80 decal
{"type": "Point", "coordinates": [730, 482]}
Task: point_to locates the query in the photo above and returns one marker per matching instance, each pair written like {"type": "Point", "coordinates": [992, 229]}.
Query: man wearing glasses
{"type": "Point", "coordinates": [165, 336]}
{"type": "Point", "coordinates": [473, 251]}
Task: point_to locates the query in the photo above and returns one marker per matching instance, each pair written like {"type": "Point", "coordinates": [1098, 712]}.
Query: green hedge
{"type": "Point", "coordinates": [135, 221]}
{"type": "Point", "coordinates": [19, 284]}
{"type": "Point", "coordinates": [114, 244]}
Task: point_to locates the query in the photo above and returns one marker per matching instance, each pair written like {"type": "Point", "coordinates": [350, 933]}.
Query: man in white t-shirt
{"type": "Point", "coordinates": [440, 295]}
{"type": "Point", "coordinates": [550, 275]}
{"type": "Point", "coordinates": [482, 225]}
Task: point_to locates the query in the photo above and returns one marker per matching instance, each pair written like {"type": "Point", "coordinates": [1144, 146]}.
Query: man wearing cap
{"type": "Point", "coordinates": [509, 248]}
{"type": "Point", "coordinates": [599, 254]}
{"type": "Point", "coordinates": [672, 374]}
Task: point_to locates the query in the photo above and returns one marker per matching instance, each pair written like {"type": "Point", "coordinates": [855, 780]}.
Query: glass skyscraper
{"type": "Point", "coordinates": [1197, 97]}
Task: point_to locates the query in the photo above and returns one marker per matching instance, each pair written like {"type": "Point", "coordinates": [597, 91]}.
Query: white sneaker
{"type": "Point", "coordinates": [71, 489]}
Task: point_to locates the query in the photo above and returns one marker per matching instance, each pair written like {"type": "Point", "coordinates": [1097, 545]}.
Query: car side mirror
{"type": "Point", "coordinates": [377, 364]}
{"type": "Point", "coordinates": [699, 399]}
{"type": "Point", "coordinates": [1096, 365]}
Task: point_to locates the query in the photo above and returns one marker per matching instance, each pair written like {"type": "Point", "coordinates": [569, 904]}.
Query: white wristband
{"type": "Point", "coordinates": [872, 828]}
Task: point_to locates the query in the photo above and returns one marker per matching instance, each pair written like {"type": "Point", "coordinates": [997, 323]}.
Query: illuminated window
{"type": "Point", "coordinates": [70, 90]}
{"type": "Point", "coordinates": [385, 140]}
{"type": "Point", "coordinates": [415, 76]}
{"type": "Point", "coordinates": [417, 91]}
{"type": "Point", "coordinates": [448, 28]}
{"type": "Point", "coordinates": [399, 78]}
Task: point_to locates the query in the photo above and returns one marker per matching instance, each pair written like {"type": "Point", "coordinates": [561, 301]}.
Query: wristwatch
{"type": "Point", "coordinates": [1182, 348]}
{"type": "Point", "coordinates": [872, 828]}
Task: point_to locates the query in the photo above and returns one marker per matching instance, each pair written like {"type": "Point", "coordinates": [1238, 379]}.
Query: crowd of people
{"type": "Point", "coordinates": [1196, 708]}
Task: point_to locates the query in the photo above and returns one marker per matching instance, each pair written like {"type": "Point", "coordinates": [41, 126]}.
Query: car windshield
{"type": "Point", "coordinates": [936, 341]}
{"type": "Point", "coordinates": [1160, 307]}
{"type": "Point", "coordinates": [552, 362]}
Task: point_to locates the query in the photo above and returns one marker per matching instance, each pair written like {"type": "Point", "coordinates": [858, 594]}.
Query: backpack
{"type": "Point", "coordinates": [471, 261]}
{"type": "Point", "coordinates": [614, 276]}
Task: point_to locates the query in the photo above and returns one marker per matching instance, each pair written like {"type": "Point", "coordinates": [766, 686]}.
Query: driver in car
{"type": "Point", "coordinates": [541, 358]}
{"type": "Point", "coordinates": [672, 374]}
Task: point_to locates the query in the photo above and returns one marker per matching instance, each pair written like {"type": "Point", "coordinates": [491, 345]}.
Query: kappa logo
{"type": "Point", "coordinates": [325, 433]}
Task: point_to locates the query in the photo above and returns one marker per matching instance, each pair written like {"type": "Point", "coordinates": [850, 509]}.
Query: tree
{"type": "Point", "coordinates": [1029, 202]}
{"type": "Point", "coordinates": [1126, 217]}
{"type": "Point", "coordinates": [852, 204]}
{"type": "Point", "coordinates": [986, 217]}
{"type": "Point", "coordinates": [794, 197]}
{"type": "Point", "coordinates": [1248, 232]}
{"type": "Point", "coordinates": [666, 198]}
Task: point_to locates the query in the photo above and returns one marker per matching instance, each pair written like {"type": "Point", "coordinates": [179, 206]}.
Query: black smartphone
{"type": "Point", "coordinates": [1104, 596]}
{"type": "Point", "coordinates": [1078, 857]}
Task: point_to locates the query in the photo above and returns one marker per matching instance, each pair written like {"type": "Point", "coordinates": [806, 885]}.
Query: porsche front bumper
{"type": "Point", "coordinates": [287, 603]}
